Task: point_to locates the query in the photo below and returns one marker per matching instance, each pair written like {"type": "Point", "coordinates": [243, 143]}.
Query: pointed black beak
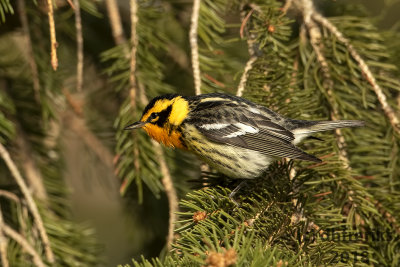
{"type": "Point", "coordinates": [135, 125]}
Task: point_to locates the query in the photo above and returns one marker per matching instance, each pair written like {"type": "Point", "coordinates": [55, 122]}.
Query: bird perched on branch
{"type": "Point", "coordinates": [233, 135]}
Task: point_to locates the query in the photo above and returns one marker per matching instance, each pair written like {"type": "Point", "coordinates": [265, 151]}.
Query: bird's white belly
{"type": "Point", "coordinates": [234, 162]}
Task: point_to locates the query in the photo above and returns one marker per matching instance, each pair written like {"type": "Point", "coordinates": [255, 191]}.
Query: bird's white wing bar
{"type": "Point", "coordinates": [242, 130]}
{"type": "Point", "coordinates": [214, 126]}
{"type": "Point", "coordinates": [254, 110]}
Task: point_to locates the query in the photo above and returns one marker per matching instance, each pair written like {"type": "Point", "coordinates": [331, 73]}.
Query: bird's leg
{"type": "Point", "coordinates": [234, 191]}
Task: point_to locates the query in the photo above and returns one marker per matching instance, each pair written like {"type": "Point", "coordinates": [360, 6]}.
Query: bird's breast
{"type": "Point", "coordinates": [170, 138]}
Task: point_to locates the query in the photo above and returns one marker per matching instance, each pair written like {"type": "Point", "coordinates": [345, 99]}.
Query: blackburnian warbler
{"type": "Point", "coordinates": [233, 135]}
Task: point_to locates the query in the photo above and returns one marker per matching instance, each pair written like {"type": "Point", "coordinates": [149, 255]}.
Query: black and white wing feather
{"type": "Point", "coordinates": [245, 126]}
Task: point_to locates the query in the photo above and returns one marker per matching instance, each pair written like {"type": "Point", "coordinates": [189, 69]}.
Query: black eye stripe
{"type": "Point", "coordinates": [163, 116]}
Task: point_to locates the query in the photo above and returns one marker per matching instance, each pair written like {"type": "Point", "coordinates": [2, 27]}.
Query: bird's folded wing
{"type": "Point", "coordinates": [255, 132]}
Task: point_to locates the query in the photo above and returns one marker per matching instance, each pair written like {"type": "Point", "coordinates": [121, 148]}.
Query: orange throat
{"type": "Point", "coordinates": [161, 135]}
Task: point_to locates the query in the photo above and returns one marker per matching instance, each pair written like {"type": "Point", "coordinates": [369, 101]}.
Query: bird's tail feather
{"type": "Point", "coordinates": [304, 129]}
{"type": "Point", "coordinates": [320, 126]}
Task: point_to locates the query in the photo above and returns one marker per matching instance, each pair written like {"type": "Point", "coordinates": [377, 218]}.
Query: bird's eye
{"type": "Point", "coordinates": [153, 116]}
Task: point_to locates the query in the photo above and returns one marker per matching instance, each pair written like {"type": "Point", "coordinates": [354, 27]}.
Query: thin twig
{"type": "Point", "coordinates": [9, 195]}
{"type": "Point", "coordinates": [71, 4]}
{"type": "Point", "coordinates": [53, 41]}
{"type": "Point", "coordinates": [194, 47]}
{"type": "Point", "coordinates": [134, 43]}
{"type": "Point", "coordinates": [30, 202]}
{"type": "Point", "coordinates": [170, 191]}
{"type": "Point", "coordinates": [31, 58]}
{"type": "Point", "coordinates": [249, 65]}
{"type": "Point", "coordinates": [79, 46]}
{"type": "Point", "coordinates": [287, 6]}
{"type": "Point", "coordinates": [24, 245]}
{"type": "Point", "coordinates": [389, 112]}
{"type": "Point", "coordinates": [115, 21]}
{"type": "Point", "coordinates": [315, 40]}
{"type": "Point", "coordinates": [3, 243]}
{"type": "Point", "coordinates": [243, 78]}
{"type": "Point", "coordinates": [31, 170]}
{"type": "Point", "coordinates": [132, 78]}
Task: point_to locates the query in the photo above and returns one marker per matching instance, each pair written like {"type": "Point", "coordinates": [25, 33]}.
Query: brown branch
{"type": "Point", "coordinates": [115, 22]}
{"type": "Point", "coordinates": [31, 58]}
{"type": "Point", "coordinates": [53, 41]}
{"type": "Point", "coordinates": [132, 78]}
{"type": "Point", "coordinates": [389, 112]}
{"type": "Point", "coordinates": [134, 43]}
{"type": "Point", "coordinates": [79, 46]}
{"type": "Point", "coordinates": [31, 170]}
{"type": "Point", "coordinates": [287, 6]}
{"type": "Point", "coordinates": [3, 243]}
{"type": "Point", "coordinates": [71, 4]}
{"type": "Point", "coordinates": [316, 43]}
{"type": "Point", "coordinates": [194, 47]}
{"type": "Point", "coordinates": [249, 65]}
{"type": "Point", "coordinates": [170, 191]}
{"type": "Point", "coordinates": [30, 202]}
{"type": "Point", "coordinates": [24, 245]}
{"type": "Point", "coordinates": [9, 195]}
{"type": "Point", "coordinates": [243, 78]}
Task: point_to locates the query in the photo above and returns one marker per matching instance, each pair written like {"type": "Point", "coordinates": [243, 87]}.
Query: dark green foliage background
{"type": "Point", "coordinates": [91, 224]}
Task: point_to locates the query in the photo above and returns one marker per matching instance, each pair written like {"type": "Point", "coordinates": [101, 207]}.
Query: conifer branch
{"type": "Point", "coordinates": [30, 202]}
{"type": "Point", "coordinates": [389, 112]}
{"type": "Point", "coordinates": [170, 192]}
{"type": "Point", "coordinates": [53, 41]}
{"type": "Point", "coordinates": [14, 235]}
{"type": "Point", "coordinates": [3, 243]}
{"type": "Point", "coordinates": [31, 59]}
{"type": "Point", "coordinates": [79, 46]}
{"type": "Point", "coordinates": [316, 43]}
{"type": "Point", "coordinates": [194, 46]}
{"type": "Point", "coordinates": [166, 176]}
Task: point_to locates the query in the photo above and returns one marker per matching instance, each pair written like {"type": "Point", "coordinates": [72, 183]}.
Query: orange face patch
{"type": "Point", "coordinates": [161, 135]}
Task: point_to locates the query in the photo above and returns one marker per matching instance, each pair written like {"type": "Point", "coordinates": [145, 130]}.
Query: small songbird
{"type": "Point", "coordinates": [233, 135]}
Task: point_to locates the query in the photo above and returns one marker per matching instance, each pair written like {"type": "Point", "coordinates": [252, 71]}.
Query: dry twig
{"type": "Point", "coordinates": [243, 78]}
{"type": "Point", "coordinates": [31, 170]}
{"type": "Point", "coordinates": [3, 243]}
{"type": "Point", "coordinates": [24, 244]}
{"type": "Point", "coordinates": [115, 22]}
{"type": "Point", "coordinates": [194, 47]}
{"type": "Point", "coordinates": [30, 202]}
{"type": "Point", "coordinates": [53, 41]}
{"type": "Point", "coordinates": [79, 46]}
{"type": "Point", "coordinates": [32, 63]}
{"type": "Point", "coordinates": [170, 191]}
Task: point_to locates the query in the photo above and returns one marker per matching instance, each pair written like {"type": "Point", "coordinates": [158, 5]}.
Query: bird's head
{"type": "Point", "coordinates": [161, 117]}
